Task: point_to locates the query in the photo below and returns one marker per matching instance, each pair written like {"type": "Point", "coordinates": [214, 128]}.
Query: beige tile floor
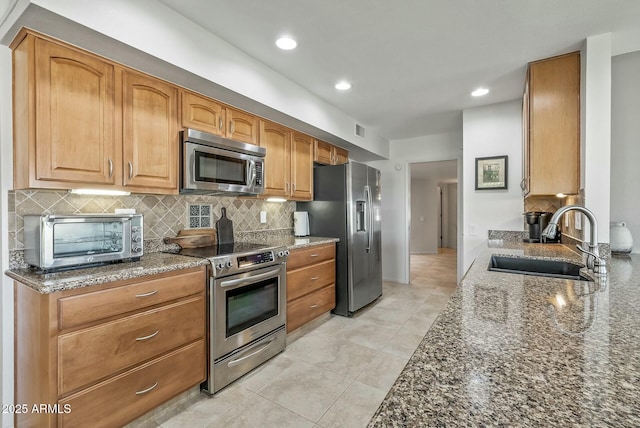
{"type": "Point", "coordinates": [337, 374]}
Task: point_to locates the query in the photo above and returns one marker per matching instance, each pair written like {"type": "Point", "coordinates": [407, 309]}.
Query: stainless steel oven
{"type": "Point", "coordinates": [246, 308]}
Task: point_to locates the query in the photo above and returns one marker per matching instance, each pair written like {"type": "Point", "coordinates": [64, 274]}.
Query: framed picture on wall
{"type": "Point", "coordinates": [491, 173]}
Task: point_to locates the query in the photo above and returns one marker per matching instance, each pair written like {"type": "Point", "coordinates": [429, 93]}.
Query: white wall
{"type": "Point", "coordinates": [625, 142]}
{"type": "Point", "coordinates": [395, 194]}
{"type": "Point", "coordinates": [424, 216]}
{"type": "Point", "coordinates": [596, 130]}
{"type": "Point", "coordinates": [493, 130]}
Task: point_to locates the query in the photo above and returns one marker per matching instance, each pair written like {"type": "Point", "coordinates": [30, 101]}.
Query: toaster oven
{"type": "Point", "coordinates": [53, 242]}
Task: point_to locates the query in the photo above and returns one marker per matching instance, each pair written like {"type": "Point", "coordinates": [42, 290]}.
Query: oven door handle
{"type": "Point", "coordinates": [241, 359]}
{"type": "Point", "coordinates": [252, 278]}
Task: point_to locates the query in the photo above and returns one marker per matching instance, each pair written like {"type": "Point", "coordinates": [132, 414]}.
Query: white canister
{"type": "Point", "coordinates": [620, 237]}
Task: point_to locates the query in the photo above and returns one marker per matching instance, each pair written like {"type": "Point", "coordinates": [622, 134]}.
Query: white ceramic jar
{"type": "Point", "coordinates": [620, 237]}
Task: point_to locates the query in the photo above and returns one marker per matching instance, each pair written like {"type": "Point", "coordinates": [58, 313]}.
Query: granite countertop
{"type": "Point", "coordinates": [149, 264]}
{"type": "Point", "coordinates": [522, 350]}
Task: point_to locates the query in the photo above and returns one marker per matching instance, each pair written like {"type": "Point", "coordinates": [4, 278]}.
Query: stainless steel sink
{"type": "Point", "coordinates": [539, 267]}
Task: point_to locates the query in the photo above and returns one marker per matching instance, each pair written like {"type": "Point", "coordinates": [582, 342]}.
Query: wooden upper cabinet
{"type": "Point", "coordinates": [322, 153]}
{"type": "Point", "coordinates": [242, 126]}
{"type": "Point", "coordinates": [552, 141]}
{"type": "Point", "coordinates": [340, 155]}
{"type": "Point", "coordinates": [277, 140]}
{"type": "Point", "coordinates": [328, 154]}
{"type": "Point", "coordinates": [301, 167]}
{"type": "Point", "coordinates": [203, 114]}
{"type": "Point", "coordinates": [64, 117]}
{"type": "Point", "coordinates": [150, 133]}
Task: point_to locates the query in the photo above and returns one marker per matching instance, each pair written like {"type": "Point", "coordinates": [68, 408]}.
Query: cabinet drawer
{"type": "Point", "coordinates": [307, 256]}
{"type": "Point", "coordinates": [91, 354]}
{"type": "Point", "coordinates": [306, 308]}
{"type": "Point", "coordinates": [84, 308]}
{"type": "Point", "coordinates": [122, 399]}
{"type": "Point", "coordinates": [305, 280]}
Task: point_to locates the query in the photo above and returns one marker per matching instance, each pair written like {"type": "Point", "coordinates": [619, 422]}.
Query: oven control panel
{"type": "Point", "coordinates": [246, 261]}
{"type": "Point", "coordinates": [255, 259]}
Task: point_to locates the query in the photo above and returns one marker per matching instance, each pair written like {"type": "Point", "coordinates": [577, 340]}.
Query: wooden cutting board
{"type": "Point", "coordinates": [193, 238]}
{"type": "Point", "coordinates": [224, 227]}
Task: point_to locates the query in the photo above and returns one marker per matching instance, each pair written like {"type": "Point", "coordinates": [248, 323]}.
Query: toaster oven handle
{"type": "Point", "coordinates": [252, 278]}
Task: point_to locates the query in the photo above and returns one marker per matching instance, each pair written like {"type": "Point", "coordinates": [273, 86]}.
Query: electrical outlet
{"type": "Point", "coordinates": [578, 219]}
{"type": "Point", "coordinates": [473, 230]}
{"type": "Point", "coordinates": [263, 217]}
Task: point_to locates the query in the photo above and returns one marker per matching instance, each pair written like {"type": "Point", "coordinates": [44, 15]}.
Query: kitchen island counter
{"type": "Point", "coordinates": [523, 350]}
{"type": "Point", "coordinates": [149, 264]}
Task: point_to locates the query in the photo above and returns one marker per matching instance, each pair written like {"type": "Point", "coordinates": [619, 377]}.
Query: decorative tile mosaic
{"type": "Point", "coordinates": [164, 215]}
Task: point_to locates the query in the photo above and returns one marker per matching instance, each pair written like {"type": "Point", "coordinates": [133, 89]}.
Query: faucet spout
{"type": "Point", "coordinates": [593, 257]}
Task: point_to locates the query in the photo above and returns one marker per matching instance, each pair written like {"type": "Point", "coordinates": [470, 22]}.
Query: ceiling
{"type": "Point", "coordinates": [412, 63]}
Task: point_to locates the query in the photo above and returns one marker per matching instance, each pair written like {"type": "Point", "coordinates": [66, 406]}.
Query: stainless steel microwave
{"type": "Point", "coordinates": [53, 242]}
{"type": "Point", "coordinates": [212, 164]}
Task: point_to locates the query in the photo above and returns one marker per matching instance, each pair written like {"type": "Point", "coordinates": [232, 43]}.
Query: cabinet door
{"type": "Point", "coordinates": [524, 184]}
{"type": "Point", "coordinates": [242, 126]}
{"type": "Point", "coordinates": [150, 134]}
{"type": "Point", "coordinates": [75, 120]}
{"type": "Point", "coordinates": [340, 156]}
{"type": "Point", "coordinates": [203, 114]}
{"type": "Point", "coordinates": [301, 167]}
{"type": "Point", "coordinates": [554, 146]}
{"type": "Point", "coordinates": [322, 153]}
{"type": "Point", "coordinates": [277, 140]}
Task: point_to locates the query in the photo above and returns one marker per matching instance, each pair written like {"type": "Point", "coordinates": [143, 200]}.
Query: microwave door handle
{"type": "Point", "coordinates": [252, 174]}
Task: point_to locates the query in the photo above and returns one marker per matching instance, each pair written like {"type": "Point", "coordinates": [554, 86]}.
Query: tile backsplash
{"type": "Point", "coordinates": [164, 215]}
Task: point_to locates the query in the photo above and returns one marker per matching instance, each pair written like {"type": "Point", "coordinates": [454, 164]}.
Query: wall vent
{"type": "Point", "coordinates": [360, 131]}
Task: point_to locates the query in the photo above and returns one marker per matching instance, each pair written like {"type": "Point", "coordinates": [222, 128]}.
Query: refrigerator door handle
{"type": "Point", "coordinates": [368, 217]}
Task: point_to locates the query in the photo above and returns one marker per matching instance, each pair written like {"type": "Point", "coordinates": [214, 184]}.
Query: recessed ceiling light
{"type": "Point", "coordinates": [479, 92]}
{"type": "Point", "coordinates": [343, 86]}
{"type": "Point", "coordinates": [286, 43]}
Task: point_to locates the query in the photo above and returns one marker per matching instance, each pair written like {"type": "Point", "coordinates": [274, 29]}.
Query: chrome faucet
{"type": "Point", "coordinates": [594, 261]}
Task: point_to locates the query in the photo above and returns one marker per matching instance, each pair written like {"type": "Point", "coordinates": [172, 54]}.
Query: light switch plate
{"type": "Point", "coordinates": [578, 219]}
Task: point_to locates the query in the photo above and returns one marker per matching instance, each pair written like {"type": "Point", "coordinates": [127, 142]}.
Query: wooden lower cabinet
{"type": "Point", "coordinates": [311, 278]}
{"type": "Point", "coordinates": [119, 400]}
{"type": "Point", "coordinates": [108, 367]}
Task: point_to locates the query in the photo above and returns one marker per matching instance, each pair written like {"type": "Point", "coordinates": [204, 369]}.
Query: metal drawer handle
{"type": "Point", "coordinates": [110, 168]}
{"type": "Point", "coordinates": [144, 391]}
{"type": "Point", "coordinates": [241, 359]}
{"type": "Point", "coordinates": [150, 293]}
{"type": "Point", "coordinates": [220, 123]}
{"type": "Point", "coordinates": [313, 306]}
{"type": "Point", "coordinates": [313, 255]}
{"type": "Point", "coordinates": [147, 337]}
{"type": "Point", "coordinates": [232, 125]}
{"type": "Point", "coordinates": [313, 278]}
{"type": "Point", "coordinates": [130, 169]}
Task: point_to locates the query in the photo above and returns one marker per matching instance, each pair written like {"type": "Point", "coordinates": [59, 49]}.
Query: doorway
{"type": "Point", "coordinates": [433, 224]}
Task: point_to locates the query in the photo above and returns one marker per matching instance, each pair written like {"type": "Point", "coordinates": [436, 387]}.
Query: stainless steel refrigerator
{"type": "Point", "coordinates": [347, 206]}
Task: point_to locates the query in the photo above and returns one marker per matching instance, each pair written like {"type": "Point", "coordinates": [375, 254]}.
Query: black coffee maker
{"type": "Point", "coordinates": [537, 221]}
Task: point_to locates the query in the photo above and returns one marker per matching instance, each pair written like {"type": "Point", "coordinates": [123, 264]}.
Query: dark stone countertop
{"type": "Point", "coordinates": [522, 350]}
{"type": "Point", "coordinates": [149, 264]}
